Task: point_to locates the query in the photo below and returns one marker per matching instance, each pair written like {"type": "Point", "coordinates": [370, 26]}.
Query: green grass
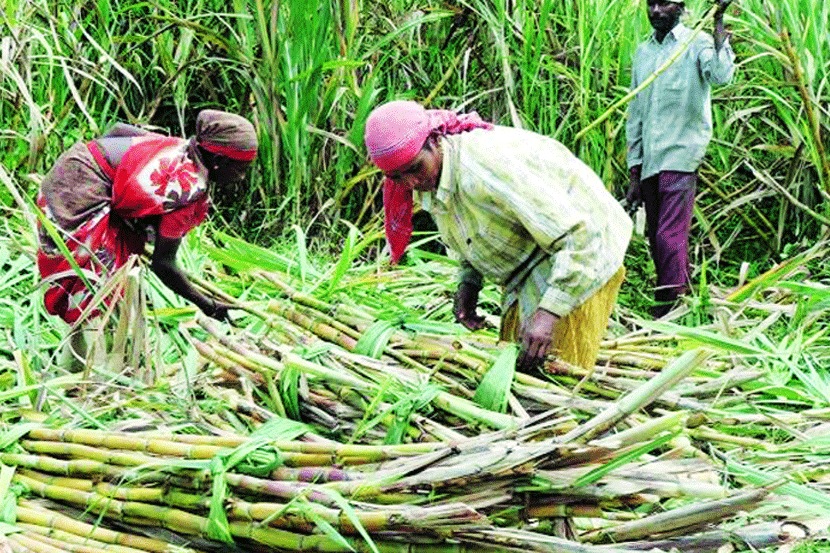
{"type": "Point", "coordinates": [812, 547]}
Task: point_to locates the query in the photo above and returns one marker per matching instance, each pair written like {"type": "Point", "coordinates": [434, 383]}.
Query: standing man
{"type": "Point", "coordinates": [669, 127]}
{"type": "Point", "coordinates": [519, 209]}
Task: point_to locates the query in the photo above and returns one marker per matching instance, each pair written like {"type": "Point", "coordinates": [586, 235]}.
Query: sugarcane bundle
{"type": "Point", "coordinates": [203, 489]}
{"type": "Point", "coordinates": [350, 351]}
{"type": "Point", "coordinates": [729, 385]}
{"type": "Point", "coordinates": [652, 446]}
{"type": "Point", "coordinates": [41, 529]}
{"type": "Point", "coordinates": [323, 496]}
{"type": "Point", "coordinates": [507, 488]}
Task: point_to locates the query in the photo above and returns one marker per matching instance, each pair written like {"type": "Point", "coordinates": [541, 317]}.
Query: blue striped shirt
{"type": "Point", "coordinates": [670, 122]}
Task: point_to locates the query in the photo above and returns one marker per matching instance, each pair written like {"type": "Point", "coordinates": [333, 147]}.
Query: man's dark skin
{"type": "Point", "coordinates": [221, 171]}
{"type": "Point", "coordinates": [664, 16]}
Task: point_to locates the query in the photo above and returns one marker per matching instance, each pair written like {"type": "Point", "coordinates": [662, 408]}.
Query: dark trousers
{"type": "Point", "coordinates": [669, 198]}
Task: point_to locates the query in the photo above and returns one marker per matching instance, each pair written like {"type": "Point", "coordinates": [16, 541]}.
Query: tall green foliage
{"type": "Point", "coordinates": [309, 73]}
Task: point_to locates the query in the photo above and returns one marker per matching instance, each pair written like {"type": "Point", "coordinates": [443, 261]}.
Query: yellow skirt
{"type": "Point", "coordinates": [576, 337]}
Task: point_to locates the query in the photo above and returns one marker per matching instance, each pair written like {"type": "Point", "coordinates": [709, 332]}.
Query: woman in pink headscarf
{"type": "Point", "coordinates": [396, 134]}
{"type": "Point", "coordinates": [517, 208]}
{"type": "Point", "coordinates": [102, 197]}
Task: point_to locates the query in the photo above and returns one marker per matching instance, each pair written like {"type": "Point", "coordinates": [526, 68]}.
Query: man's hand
{"type": "Point", "coordinates": [720, 35]}
{"type": "Point", "coordinates": [634, 196]}
{"type": "Point", "coordinates": [722, 5]}
{"type": "Point", "coordinates": [536, 339]}
{"type": "Point", "coordinates": [464, 307]}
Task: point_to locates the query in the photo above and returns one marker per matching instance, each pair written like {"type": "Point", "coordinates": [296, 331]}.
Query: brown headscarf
{"type": "Point", "coordinates": [226, 134]}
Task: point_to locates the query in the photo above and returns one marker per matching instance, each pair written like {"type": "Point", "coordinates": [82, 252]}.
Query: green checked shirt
{"type": "Point", "coordinates": [520, 209]}
{"type": "Point", "coordinates": [670, 122]}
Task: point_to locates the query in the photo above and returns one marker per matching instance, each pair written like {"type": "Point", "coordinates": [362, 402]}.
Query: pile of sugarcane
{"type": "Point", "coordinates": [506, 490]}
{"type": "Point", "coordinates": [357, 374]}
{"type": "Point", "coordinates": [330, 421]}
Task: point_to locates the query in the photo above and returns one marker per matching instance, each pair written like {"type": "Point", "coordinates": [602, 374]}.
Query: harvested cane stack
{"type": "Point", "coordinates": [314, 495]}
{"type": "Point", "coordinates": [342, 428]}
{"type": "Point", "coordinates": [360, 372]}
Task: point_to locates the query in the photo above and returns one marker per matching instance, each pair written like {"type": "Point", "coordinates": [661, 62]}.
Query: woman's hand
{"type": "Point", "coordinates": [465, 305]}
{"type": "Point", "coordinates": [164, 265]}
{"type": "Point", "coordinates": [536, 339]}
{"type": "Point", "coordinates": [218, 310]}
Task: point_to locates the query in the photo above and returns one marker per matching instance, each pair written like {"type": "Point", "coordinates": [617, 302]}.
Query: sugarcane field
{"type": "Point", "coordinates": [415, 276]}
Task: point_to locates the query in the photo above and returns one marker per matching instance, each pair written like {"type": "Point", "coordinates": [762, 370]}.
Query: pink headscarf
{"type": "Point", "coordinates": [395, 133]}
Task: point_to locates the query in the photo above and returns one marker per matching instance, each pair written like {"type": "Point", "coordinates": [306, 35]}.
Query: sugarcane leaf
{"type": "Point", "coordinates": [396, 431]}
{"type": "Point", "coordinates": [788, 392]}
{"type": "Point", "coordinates": [404, 408]}
{"type": "Point", "coordinates": [757, 477]}
{"type": "Point", "coordinates": [280, 429]}
{"type": "Point", "coordinates": [260, 462]}
{"type": "Point", "coordinates": [6, 529]}
{"type": "Point", "coordinates": [366, 423]}
{"type": "Point", "coordinates": [815, 381]}
{"type": "Point", "coordinates": [352, 248]}
{"type": "Point", "coordinates": [347, 257]}
{"type": "Point", "coordinates": [327, 529]}
{"type": "Point", "coordinates": [8, 499]}
{"type": "Point", "coordinates": [233, 457]}
{"type": "Point", "coordinates": [13, 434]}
{"type": "Point", "coordinates": [383, 44]}
{"type": "Point", "coordinates": [302, 252]}
{"type": "Point", "coordinates": [400, 423]}
{"type": "Point", "coordinates": [708, 338]}
{"type": "Point", "coordinates": [290, 505]}
{"type": "Point", "coordinates": [350, 513]}
{"type": "Point", "coordinates": [314, 350]}
{"type": "Point", "coordinates": [771, 277]}
{"type": "Point", "coordinates": [18, 391]}
{"type": "Point", "coordinates": [289, 387]}
{"type": "Point", "coordinates": [56, 383]}
{"type": "Point", "coordinates": [434, 327]}
{"type": "Point", "coordinates": [243, 256]}
{"type": "Point", "coordinates": [374, 339]}
{"type": "Point", "coordinates": [492, 392]}
{"type": "Point", "coordinates": [271, 397]}
{"type": "Point", "coordinates": [812, 289]}
{"type": "Point", "coordinates": [592, 476]}
{"type": "Point", "coordinates": [218, 527]}
{"type": "Point", "coordinates": [25, 376]}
